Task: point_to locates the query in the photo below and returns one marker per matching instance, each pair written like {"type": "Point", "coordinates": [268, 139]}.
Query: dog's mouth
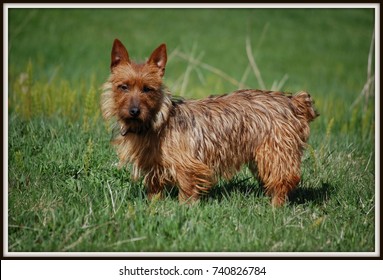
{"type": "Point", "coordinates": [133, 125]}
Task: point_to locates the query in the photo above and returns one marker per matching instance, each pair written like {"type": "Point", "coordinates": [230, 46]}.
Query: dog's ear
{"type": "Point", "coordinates": [119, 54]}
{"type": "Point", "coordinates": [159, 58]}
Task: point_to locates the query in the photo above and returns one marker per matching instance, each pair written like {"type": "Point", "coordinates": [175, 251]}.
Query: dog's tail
{"type": "Point", "coordinates": [304, 105]}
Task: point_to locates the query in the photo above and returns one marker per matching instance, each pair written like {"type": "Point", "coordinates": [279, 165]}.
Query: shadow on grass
{"type": "Point", "coordinates": [244, 186]}
{"type": "Point", "coordinates": [302, 195]}
{"type": "Point", "coordinates": [247, 187]}
{"type": "Point", "coordinates": [226, 189]}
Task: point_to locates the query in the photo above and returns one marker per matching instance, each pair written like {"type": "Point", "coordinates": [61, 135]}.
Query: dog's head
{"type": "Point", "coordinates": [137, 89]}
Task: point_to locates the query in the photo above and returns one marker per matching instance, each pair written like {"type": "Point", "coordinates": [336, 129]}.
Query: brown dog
{"type": "Point", "coordinates": [192, 143]}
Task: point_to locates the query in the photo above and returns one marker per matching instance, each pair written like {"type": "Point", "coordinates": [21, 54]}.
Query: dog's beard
{"type": "Point", "coordinates": [152, 121]}
{"type": "Point", "coordinates": [134, 126]}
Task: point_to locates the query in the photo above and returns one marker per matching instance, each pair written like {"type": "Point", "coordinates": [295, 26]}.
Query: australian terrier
{"type": "Point", "coordinates": [192, 143]}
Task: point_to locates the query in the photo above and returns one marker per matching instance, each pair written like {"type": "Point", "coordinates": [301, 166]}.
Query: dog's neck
{"type": "Point", "coordinates": [163, 114]}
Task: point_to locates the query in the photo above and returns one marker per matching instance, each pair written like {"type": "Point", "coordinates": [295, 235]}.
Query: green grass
{"type": "Point", "coordinates": [64, 191]}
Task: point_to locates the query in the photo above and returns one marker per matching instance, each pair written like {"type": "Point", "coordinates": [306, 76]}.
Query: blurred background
{"type": "Point", "coordinates": [323, 51]}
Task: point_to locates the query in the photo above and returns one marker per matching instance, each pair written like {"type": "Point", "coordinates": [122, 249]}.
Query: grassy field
{"type": "Point", "coordinates": [65, 193]}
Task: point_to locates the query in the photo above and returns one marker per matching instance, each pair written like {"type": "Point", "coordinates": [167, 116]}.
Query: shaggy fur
{"type": "Point", "coordinates": [192, 143]}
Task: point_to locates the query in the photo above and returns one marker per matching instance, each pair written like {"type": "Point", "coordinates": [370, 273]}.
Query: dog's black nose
{"type": "Point", "coordinates": [134, 112]}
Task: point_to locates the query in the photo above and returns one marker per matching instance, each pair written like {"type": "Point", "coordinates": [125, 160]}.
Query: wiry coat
{"type": "Point", "coordinates": [191, 143]}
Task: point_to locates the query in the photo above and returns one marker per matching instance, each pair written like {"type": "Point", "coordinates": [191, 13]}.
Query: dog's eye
{"type": "Point", "coordinates": [146, 89]}
{"type": "Point", "coordinates": [123, 87]}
